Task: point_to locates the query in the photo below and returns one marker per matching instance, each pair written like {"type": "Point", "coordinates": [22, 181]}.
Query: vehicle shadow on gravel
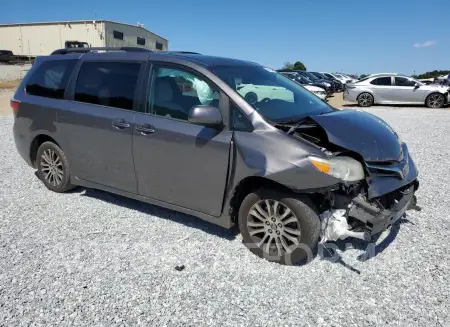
{"type": "Point", "coordinates": [149, 209]}
{"type": "Point", "coordinates": [371, 250]}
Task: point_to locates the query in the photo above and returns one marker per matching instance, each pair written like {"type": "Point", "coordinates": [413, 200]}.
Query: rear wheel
{"type": "Point", "coordinates": [365, 100]}
{"type": "Point", "coordinates": [53, 167]}
{"type": "Point", "coordinates": [435, 100]}
{"type": "Point", "coordinates": [279, 227]}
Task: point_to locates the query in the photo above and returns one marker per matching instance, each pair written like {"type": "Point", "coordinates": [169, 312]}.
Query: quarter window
{"type": "Point", "coordinates": [111, 84]}
{"type": "Point", "coordinates": [50, 79]}
{"type": "Point", "coordinates": [386, 81]}
{"type": "Point", "coordinates": [118, 35]}
{"type": "Point", "coordinates": [140, 40]}
{"type": "Point", "coordinates": [239, 122]}
{"type": "Point", "coordinates": [402, 81]}
{"type": "Point", "coordinates": [174, 92]}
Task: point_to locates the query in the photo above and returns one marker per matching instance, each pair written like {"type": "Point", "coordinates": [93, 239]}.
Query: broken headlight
{"type": "Point", "coordinates": [345, 168]}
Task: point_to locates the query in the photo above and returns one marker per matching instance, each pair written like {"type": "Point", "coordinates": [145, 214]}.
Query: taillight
{"type": "Point", "coordinates": [14, 105]}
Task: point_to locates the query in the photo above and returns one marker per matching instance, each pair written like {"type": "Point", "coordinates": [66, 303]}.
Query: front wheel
{"type": "Point", "coordinates": [365, 100]}
{"type": "Point", "coordinates": [279, 227]}
{"type": "Point", "coordinates": [435, 100]}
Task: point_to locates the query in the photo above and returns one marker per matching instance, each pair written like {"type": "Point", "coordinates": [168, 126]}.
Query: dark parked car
{"type": "Point", "coordinates": [304, 80]}
{"type": "Point", "coordinates": [334, 79]}
{"type": "Point", "coordinates": [329, 86]}
{"type": "Point", "coordinates": [338, 86]}
{"type": "Point", "coordinates": [128, 122]}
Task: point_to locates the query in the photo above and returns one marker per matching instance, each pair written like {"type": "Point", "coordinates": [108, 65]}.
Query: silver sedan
{"type": "Point", "coordinates": [395, 89]}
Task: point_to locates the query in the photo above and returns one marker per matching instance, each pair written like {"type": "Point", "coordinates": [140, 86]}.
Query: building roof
{"type": "Point", "coordinates": [77, 22]}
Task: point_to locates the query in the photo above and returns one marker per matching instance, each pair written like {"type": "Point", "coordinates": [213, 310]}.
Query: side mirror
{"type": "Point", "coordinates": [208, 116]}
{"type": "Point", "coordinates": [416, 86]}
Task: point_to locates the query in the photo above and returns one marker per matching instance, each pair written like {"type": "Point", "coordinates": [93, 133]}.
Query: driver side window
{"type": "Point", "coordinates": [402, 81]}
{"type": "Point", "coordinates": [174, 92]}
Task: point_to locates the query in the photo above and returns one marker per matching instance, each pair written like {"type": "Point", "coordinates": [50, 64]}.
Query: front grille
{"type": "Point", "coordinates": [398, 168]}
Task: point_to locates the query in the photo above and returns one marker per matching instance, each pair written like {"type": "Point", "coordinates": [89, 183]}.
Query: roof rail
{"type": "Point", "coordinates": [84, 50]}
{"type": "Point", "coordinates": [183, 52]}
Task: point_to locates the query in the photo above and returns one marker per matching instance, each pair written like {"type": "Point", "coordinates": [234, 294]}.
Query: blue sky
{"type": "Point", "coordinates": [364, 36]}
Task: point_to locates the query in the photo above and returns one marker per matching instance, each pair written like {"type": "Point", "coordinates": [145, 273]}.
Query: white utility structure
{"type": "Point", "coordinates": [35, 39]}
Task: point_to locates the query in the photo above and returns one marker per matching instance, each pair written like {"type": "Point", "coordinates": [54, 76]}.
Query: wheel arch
{"type": "Point", "coordinates": [247, 186]}
{"type": "Point", "coordinates": [36, 143]}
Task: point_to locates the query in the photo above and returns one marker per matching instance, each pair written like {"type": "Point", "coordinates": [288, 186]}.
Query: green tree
{"type": "Point", "coordinates": [296, 66]}
{"type": "Point", "coordinates": [299, 66]}
{"type": "Point", "coordinates": [363, 76]}
{"type": "Point", "coordinates": [287, 65]}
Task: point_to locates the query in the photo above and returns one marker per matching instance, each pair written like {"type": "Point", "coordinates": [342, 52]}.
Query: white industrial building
{"type": "Point", "coordinates": [35, 39]}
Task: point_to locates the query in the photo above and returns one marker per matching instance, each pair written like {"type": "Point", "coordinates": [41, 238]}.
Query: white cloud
{"type": "Point", "coordinates": [425, 44]}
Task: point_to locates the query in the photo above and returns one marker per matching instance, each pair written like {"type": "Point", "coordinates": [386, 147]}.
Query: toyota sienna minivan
{"type": "Point", "coordinates": [173, 130]}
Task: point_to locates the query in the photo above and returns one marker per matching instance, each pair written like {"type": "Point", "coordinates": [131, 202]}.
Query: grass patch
{"type": "Point", "coordinates": [10, 84]}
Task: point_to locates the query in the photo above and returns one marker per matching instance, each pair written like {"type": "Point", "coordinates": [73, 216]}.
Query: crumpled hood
{"type": "Point", "coordinates": [361, 132]}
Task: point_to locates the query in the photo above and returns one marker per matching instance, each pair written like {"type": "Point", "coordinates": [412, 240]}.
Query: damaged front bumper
{"type": "Point", "coordinates": [375, 218]}
{"type": "Point", "coordinates": [361, 218]}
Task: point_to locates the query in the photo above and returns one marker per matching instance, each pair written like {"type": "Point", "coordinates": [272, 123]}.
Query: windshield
{"type": "Point", "coordinates": [274, 96]}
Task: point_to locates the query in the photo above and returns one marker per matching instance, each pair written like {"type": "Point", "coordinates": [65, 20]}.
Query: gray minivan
{"type": "Point", "coordinates": [174, 129]}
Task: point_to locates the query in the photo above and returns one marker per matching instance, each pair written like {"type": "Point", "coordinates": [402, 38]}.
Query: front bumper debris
{"type": "Point", "coordinates": [369, 218]}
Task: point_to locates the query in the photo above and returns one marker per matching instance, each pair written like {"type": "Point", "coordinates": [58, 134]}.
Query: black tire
{"type": "Point", "coordinates": [435, 100]}
{"type": "Point", "coordinates": [365, 99]}
{"type": "Point", "coordinates": [56, 184]}
{"type": "Point", "coordinates": [307, 220]}
{"type": "Point", "coordinates": [251, 97]}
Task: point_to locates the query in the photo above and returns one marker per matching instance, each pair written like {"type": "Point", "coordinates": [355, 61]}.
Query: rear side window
{"type": "Point", "coordinates": [50, 79]}
{"type": "Point", "coordinates": [382, 81]}
{"type": "Point", "coordinates": [111, 84]}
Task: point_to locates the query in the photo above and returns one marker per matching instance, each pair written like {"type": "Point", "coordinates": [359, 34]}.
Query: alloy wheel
{"type": "Point", "coordinates": [273, 227]}
{"type": "Point", "coordinates": [52, 167]}
{"type": "Point", "coordinates": [436, 101]}
{"type": "Point", "coordinates": [365, 100]}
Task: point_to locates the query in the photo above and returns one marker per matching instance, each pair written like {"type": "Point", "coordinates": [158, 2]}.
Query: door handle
{"type": "Point", "coordinates": [120, 124]}
{"type": "Point", "coordinates": [145, 129]}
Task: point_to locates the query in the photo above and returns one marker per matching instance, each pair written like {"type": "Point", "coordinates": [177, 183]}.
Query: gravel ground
{"type": "Point", "coordinates": [12, 72]}
{"type": "Point", "coordinates": [91, 258]}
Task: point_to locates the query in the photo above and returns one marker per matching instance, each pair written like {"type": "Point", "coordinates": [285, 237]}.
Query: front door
{"type": "Point", "coordinates": [405, 91]}
{"type": "Point", "coordinates": [98, 124]}
{"type": "Point", "coordinates": [178, 162]}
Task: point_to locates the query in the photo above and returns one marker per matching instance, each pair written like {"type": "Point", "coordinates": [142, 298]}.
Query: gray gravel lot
{"type": "Point", "coordinates": [12, 72]}
{"type": "Point", "coordinates": [91, 258]}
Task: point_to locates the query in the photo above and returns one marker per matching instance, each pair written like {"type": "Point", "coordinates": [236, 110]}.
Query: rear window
{"type": "Point", "coordinates": [111, 84]}
{"type": "Point", "coordinates": [381, 81]}
{"type": "Point", "coordinates": [50, 79]}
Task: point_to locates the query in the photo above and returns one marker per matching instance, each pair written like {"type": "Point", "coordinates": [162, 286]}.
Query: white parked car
{"type": "Point", "coordinates": [318, 91]}
{"type": "Point", "coordinates": [395, 89]}
{"type": "Point", "coordinates": [256, 93]}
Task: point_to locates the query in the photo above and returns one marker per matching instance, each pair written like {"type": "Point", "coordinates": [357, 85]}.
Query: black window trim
{"type": "Point", "coordinates": [70, 91]}
{"type": "Point", "coordinates": [117, 38]}
{"type": "Point", "coordinates": [152, 67]}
